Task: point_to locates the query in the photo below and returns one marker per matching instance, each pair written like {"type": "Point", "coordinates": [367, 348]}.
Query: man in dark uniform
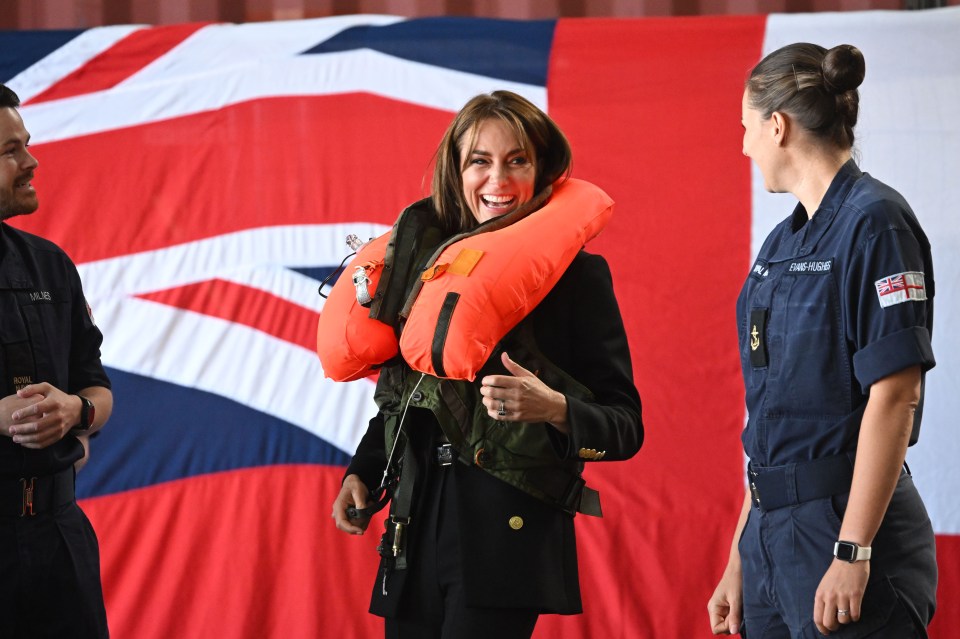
{"type": "Point", "coordinates": [52, 389]}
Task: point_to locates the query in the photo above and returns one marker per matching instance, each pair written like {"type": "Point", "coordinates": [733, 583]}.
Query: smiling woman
{"type": "Point", "coordinates": [499, 146]}
{"type": "Point", "coordinates": [480, 538]}
{"type": "Point", "coordinates": [498, 175]}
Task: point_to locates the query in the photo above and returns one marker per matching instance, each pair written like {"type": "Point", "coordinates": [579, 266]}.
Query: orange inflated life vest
{"type": "Point", "coordinates": [480, 287]}
{"type": "Point", "coordinates": [474, 292]}
{"type": "Point", "coordinates": [351, 344]}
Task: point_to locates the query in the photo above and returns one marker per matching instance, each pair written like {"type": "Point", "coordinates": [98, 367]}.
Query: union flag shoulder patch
{"type": "Point", "coordinates": [902, 287]}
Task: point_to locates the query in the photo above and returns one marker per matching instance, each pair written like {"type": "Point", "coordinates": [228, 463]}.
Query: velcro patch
{"type": "Point", "coordinates": [902, 287]}
{"type": "Point", "coordinates": [465, 261]}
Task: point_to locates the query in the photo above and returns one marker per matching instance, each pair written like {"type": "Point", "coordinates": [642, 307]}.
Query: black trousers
{"type": "Point", "coordinates": [50, 577]}
{"type": "Point", "coordinates": [432, 603]}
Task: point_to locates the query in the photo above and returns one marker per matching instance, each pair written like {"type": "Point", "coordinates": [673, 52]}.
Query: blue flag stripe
{"type": "Point", "coordinates": [517, 51]}
{"type": "Point", "coordinates": [166, 432]}
{"type": "Point", "coordinates": [24, 49]}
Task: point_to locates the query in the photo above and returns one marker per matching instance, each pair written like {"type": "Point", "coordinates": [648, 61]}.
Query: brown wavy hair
{"type": "Point", "coordinates": [538, 134]}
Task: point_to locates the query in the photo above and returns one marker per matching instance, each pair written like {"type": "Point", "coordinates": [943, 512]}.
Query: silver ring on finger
{"type": "Point", "coordinates": [841, 613]}
{"type": "Point", "coordinates": [502, 410]}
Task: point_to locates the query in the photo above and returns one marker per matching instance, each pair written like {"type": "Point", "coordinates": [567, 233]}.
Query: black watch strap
{"type": "Point", "coordinates": [87, 412]}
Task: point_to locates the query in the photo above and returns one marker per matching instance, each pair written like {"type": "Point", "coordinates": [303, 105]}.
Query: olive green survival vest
{"type": "Point", "coordinates": [520, 454]}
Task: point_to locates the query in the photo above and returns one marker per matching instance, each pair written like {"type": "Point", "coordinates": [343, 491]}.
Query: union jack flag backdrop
{"type": "Point", "coordinates": [204, 177]}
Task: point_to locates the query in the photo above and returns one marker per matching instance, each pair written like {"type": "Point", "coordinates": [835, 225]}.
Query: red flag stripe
{"type": "Point", "coordinates": [245, 305]}
{"type": "Point", "coordinates": [120, 61]}
{"type": "Point", "coordinates": [144, 177]}
{"type": "Point", "coordinates": [947, 618]}
{"type": "Point", "coordinates": [200, 585]}
{"type": "Point", "coordinates": [682, 219]}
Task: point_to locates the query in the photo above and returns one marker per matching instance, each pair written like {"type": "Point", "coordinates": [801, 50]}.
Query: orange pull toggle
{"type": "Point", "coordinates": [433, 271]}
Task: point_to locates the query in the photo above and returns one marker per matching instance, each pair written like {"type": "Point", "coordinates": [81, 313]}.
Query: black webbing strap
{"type": "Point", "coordinates": [440, 335]}
{"type": "Point", "coordinates": [565, 489]}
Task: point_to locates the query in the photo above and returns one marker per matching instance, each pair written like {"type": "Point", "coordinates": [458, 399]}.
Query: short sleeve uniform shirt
{"type": "Point", "coordinates": [832, 305]}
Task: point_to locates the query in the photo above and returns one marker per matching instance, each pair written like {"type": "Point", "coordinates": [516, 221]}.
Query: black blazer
{"type": "Point", "coordinates": [579, 328]}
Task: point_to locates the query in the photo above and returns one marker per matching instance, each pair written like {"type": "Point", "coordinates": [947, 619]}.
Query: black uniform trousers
{"type": "Point", "coordinates": [50, 576]}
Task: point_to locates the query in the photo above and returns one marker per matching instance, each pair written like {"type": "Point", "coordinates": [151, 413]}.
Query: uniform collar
{"type": "Point", "coordinates": [13, 272]}
{"type": "Point", "coordinates": [807, 232]}
{"type": "Point", "coordinates": [836, 193]}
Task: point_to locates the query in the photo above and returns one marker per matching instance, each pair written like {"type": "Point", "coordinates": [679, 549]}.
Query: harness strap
{"type": "Point", "coordinates": [402, 505]}
{"type": "Point", "coordinates": [567, 490]}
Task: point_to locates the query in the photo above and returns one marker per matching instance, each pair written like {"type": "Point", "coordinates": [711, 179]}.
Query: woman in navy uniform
{"type": "Point", "coordinates": [835, 322]}
{"type": "Point", "coordinates": [481, 557]}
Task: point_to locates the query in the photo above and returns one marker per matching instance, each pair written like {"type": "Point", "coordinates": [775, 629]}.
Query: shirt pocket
{"type": "Point", "coordinates": [17, 365]}
{"type": "Point", "coordinates": [807, 349]}
{"type": "Point", "coordinates": [46, 317]}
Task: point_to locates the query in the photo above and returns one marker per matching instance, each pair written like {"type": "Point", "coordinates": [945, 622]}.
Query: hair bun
{"type": "Point", "coordinates": [843, 68]}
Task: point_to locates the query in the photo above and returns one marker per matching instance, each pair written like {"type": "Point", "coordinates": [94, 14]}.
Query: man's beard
{"type": "Point", "coordinates": [13, 208]}
{"type": "Point", "coordinates": [10, 213]}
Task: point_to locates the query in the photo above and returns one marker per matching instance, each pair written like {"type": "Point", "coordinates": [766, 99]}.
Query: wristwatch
{"type": "Point", "coordinates": [87, 413]}
{"type": "Point", "coordinates": [851, 552]}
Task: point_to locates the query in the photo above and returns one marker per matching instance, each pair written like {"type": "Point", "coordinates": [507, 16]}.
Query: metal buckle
{"type": "Point", "coordinates": [754, 491]}
{"type": "Point", "coordinates": [445, 454]}
{"type": "Point", "coordinates": [26, 507]}
{"type": "Point", "coordinates": [399, 524]}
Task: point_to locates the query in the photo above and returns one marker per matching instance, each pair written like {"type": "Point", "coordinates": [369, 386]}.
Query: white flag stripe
{"type": "Point", "coordinates": [909, 137]}
{"type": "Point", "coordinates": [195, 350]}
{"type": "Point", "coordinates": [63, 61]}
{"type": "Point", "coordinates": [222, 47]}
{"type": "Point", "coordinates": [359, 71]}
{"type": "Point", "coordinates": [237, 257]}
{"type": "Point", "coordinates": [280, 281]}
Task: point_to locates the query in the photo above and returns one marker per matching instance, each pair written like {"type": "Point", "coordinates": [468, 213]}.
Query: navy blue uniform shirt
{"type": "Point", "coordinates": [832, 305]}
{"type": "Point", "coordinates": [46, 335]}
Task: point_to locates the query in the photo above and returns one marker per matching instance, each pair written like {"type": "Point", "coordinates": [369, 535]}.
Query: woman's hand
{"type": "Point", "coordinates": [353, 493]}
{"type": "Point", "coordinates": [523, 397]}
{"type": "Point", "coordinates": [841, 589]}
{"type": "Point", "coordinates": [726, 605]}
